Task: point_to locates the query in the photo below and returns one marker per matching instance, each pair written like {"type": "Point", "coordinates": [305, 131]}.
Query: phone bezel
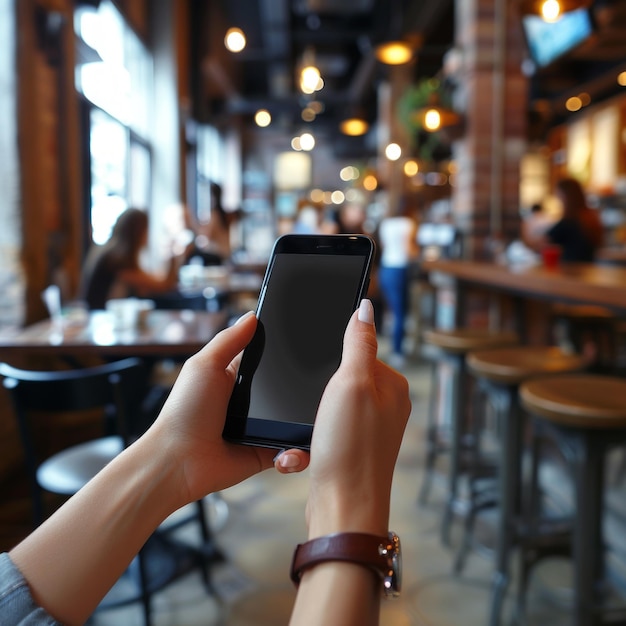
{"type": "Point", "coordinates": [280, 434]}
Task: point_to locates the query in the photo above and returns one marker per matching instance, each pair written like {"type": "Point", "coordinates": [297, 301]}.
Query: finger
{"type": "Point", "coordinates": [290, 461]}
{"type": "Point", "coordinates": [359, 343]}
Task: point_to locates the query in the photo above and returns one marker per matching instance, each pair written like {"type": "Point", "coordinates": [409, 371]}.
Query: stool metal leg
{"type": "Point", "coordinates": [454, 404]}
{"type": "Point", "coordinates": [433, 444]}
{"type": "Point", "coordinates": [509, 488]}
{"type": "Point", "coordinates": [588, 544]}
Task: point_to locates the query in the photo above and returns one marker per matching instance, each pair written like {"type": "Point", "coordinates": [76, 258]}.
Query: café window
{"type": "Point", "coordinates": [114, 74]}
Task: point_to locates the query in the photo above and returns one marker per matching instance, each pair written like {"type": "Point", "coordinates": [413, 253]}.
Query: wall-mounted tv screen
{"type": "Point", "coordinates": [547, 41]}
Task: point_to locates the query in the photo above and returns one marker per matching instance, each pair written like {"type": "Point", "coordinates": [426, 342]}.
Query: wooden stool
{"type": "Point", "coordinates": [586, 417]}
{"type": "Point", "coordinates": [500, 372]}
{"type": "Point", "coordinates": [451, 346]}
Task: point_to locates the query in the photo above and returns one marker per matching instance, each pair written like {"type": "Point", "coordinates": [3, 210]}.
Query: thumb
{"type": "Point", "coordinates": [228, 343]}
{"type": "Point", "coordinates": [359, 343]}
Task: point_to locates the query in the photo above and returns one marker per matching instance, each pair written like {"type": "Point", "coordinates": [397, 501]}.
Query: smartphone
{"type": "Point", "coordinates": [312, 285]}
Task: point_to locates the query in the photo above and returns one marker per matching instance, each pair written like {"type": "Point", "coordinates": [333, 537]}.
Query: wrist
{"type": "Point", "coordinates": [159, 478]}
{"type": "Point", "coordinates": [334, 515]}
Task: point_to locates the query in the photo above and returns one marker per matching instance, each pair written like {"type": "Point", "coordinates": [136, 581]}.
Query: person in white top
{"type": "Point", "coordinates": [397, 236]}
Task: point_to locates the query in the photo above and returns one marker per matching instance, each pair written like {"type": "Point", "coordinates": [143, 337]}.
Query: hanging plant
{"type": "Point", "coordinates": [410, 110]}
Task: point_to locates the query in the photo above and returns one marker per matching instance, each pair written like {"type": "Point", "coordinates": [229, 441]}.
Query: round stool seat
{"type": "Point", "coordinates": [577, 400]}
{"type": "Point", "coordinates": [461, 340]}
{"type": "Point", "coordinates": [511, 366]}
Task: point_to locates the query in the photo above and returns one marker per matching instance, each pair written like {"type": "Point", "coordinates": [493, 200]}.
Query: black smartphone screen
{"type": "Point", "coordinates": [311, 289]}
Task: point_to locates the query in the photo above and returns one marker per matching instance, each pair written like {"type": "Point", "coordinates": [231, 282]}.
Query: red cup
{"type": "Point", "coordinates": [551, 256]}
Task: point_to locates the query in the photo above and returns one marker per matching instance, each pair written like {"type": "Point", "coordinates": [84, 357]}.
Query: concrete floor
{"type": "Point", "coordinates": [258, 523]}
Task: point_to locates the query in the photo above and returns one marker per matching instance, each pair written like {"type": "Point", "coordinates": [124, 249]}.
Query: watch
{"type": "Point", "coordinates": [381, 554]}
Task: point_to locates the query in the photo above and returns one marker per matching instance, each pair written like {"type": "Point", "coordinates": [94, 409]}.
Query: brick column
{"type": "Point", "coordinates": [492, 92]}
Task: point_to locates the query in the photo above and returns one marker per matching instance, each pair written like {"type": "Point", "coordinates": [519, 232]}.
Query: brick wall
{"type": "Point", "coordinates": [494, 93]}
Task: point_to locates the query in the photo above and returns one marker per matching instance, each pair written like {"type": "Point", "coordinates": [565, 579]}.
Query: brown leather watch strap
{"type": "Point", "coordinates": [361, 548]}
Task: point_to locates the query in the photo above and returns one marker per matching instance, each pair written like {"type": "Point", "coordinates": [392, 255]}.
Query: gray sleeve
{"type": "Point", "coordinates": [17, 607]}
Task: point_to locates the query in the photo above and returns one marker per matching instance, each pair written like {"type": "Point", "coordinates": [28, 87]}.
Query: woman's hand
{"type": "Point", "coordinates": [356, 439]}
{"type": "Point", "coordinates": [189, 427]}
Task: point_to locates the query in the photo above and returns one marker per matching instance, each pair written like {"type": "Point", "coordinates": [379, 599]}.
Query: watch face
{"type": "Point", "coordinates": [393, 581]}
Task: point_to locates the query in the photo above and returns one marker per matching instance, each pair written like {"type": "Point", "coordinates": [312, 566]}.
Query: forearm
{"type": "Point", "coordinates": [75, 557]}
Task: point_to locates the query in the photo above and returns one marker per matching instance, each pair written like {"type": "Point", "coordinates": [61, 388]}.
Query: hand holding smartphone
{"type": "Point", "coordinates": [312, 285]}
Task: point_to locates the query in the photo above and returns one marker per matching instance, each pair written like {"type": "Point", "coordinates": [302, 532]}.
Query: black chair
{"type": "Point", "coordinates": [117, 389]}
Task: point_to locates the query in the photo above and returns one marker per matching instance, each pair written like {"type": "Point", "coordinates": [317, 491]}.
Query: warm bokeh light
{"type": "Point", "coordinates": [411, 168]}
{"type": "Point", "coordinates": [394, 53]}
{"type": "Point", "coordinates": [393, 151]}
{"type": "Point", "coordinates": [585, 98]}
{"type": "Point", "coordinates": [307, 141]}
{"type": "Point", "coordinates": [349, 173]}
{"type": "Point", "coordinates": [235, 40]}
{"type": "Point", "coordinates": [354, 126]}
{"type": "Point", "coordinates": [432, 120]}
{"type": "Point", "coordinates": [337, 197]}
{"type": "Point", "coordinates": [370, 183]}
{"type": "Point", "coordinates": [316, 195]}
{"type": "Point", "coordinates": [308, 114]}
{"type": "Point", "coordinates": [621, 79]}
{"type": "Point", "coordinates": [551, 10]}
{"type": "Point", "coordinates": [262, 118]}
{"type": "Point", "coordinates": [295, 143]}
{"type": "Point", "coordinates": [310, 80]}
{"type": "Point", "coordinates": [573, 104]}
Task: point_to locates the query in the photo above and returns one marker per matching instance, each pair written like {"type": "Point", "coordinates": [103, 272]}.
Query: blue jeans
{"type": "Point", "coordinates": [394, 286]}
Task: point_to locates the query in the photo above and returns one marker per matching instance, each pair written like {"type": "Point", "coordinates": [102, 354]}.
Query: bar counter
{"type": "Point", "coordinates": [581, 283]}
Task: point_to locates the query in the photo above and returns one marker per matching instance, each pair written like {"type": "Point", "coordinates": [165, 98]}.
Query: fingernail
{"type": "Point", "coordinates": [366, 311]}
{"type": "Point", "coordinates": [289, 461]}
{"type": "Point", "coordinates": [278, 454]}
{"type": "Point", "coordinates": [244, 316]}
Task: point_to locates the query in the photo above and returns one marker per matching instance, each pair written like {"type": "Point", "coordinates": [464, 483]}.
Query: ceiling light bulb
{"type": "Point", "coordinates": [310, 79]}
{"type": "Point", "coordinates": [393, 151]}
{"type": "Point", "coordinates": [308, 114]}
{"type": "Point", "coordinates": [573, 104]}
{"type": "Point", "coordinates": [394, 52]}
{"type": "Point", "coordinates": [235, 40]}
{"type": "Point", "coordinates": [263, 118]}
{"type": "Point", "coordinates": [551, 10]}
{"type": "Point", "coordinates": [370, 183]}
{"type": "Point", "coordinates": [354, 126]}
{"type": "Point", "coordinates": [432, 120]}
{"type": "Point", "coordinates": [307, 141]}
{"type": "Point", "coordinates": [337, 196]}
{"type": "Point", "coordinates": [411, 168]}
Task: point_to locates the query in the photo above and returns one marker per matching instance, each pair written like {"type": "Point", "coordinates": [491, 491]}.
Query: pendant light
{"type": "Point", "coordinates": [398, 49]}
{"type": "Point", "coordinates": [551, 10]}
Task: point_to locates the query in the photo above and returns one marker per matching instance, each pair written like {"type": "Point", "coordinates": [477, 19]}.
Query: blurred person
{"type": "Point", "coordinates": [113, 270]}
{"type": "Point", "coordinates": [397, 237]}
{"type": "Point", "coordinates": [535, 223]}
{"type": "Point", "coordinates": [579, 231]}
{"type": "Point", "coordinates": [212, 242]}
{"type": "Point", "coordinates": [308, 219]}
{"type": "Point", "coordinates": [351, 218]}
{"type": "Point", "coordinates": [63, 569]}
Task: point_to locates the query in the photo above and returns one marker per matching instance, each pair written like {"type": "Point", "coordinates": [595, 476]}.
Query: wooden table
{"type": "Point", "coordinates": [175, 334]}
{"type": "Point", "coordinates": [166, 334]}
